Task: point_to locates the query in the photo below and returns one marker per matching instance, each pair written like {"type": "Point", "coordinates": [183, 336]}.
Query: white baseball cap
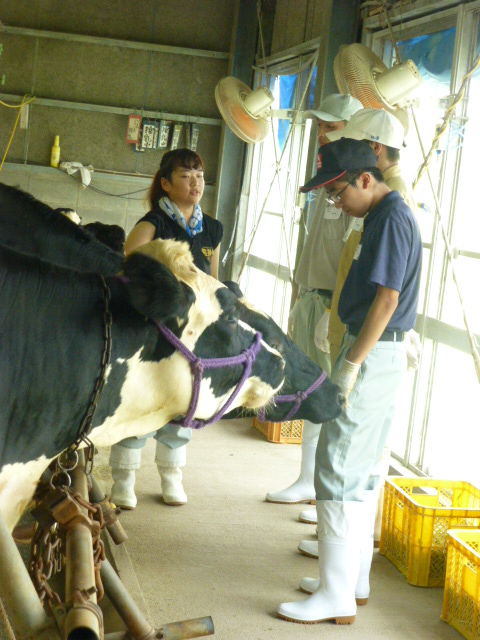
{"type": "Point", "coordinates": [336, 107]}
{"type": "Point", "coordinates": [375, 125]}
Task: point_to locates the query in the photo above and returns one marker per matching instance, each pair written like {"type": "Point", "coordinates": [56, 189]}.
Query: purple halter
{"type": "Point", "coordinates": [297, 398]}
{"type": "Point", "coordinates": [197, 365]}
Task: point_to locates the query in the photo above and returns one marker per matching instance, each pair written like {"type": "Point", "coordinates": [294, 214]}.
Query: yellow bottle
{"type": "Point", "coordinates": [55, 155]}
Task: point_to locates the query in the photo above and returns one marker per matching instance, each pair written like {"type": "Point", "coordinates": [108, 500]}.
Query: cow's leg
{"type": "Point", "coordinates": [171, 456]}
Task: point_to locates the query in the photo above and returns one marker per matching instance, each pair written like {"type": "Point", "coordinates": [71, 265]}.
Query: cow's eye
{"type": "Point", "coordinates": [231, 318]}
{"type": "Point", "coordinates": [276, 345]}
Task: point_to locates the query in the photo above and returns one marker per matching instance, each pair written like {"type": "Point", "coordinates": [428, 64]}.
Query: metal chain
{"type": "Point", "coordinates": [86, 425]}
{"type": "Point", "coordinates": [47, 550]}
{"type": "Point", "coordinates": [46, 560]}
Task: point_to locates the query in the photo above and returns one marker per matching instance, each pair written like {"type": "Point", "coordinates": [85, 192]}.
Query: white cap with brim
{"type": "Point", "coordinates": [374, 125]}
{"type": "Point", "coordinates": [336, 107]}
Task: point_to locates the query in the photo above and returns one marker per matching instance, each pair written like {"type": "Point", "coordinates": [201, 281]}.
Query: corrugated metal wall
{"type": "Point", "coordinates": [104, 72]}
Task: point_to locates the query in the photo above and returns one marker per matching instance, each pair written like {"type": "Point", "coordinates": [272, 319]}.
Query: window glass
{"type": "Point", "coordinates": [278, 165]}
{"type": "Point", "coordinates": [268, 293]}
{"type": "Point", "coordinates": [437, 410]}
{"type": "Point", "coordinates": [451, 439]}
{"type": "Point", "coordinates": [433, 56]}
{"type": "Point", "coordinates": [466, 232]}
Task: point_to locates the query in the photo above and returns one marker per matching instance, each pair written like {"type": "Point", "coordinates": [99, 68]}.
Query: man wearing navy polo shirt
{"type": "Point", "coordinates": [378, 304]}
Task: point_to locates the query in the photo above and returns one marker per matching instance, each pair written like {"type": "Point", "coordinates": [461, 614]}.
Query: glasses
{"type": "Point", "coordinates": [334, 198]}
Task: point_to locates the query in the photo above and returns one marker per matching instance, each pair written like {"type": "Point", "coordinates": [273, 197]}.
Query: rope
{"type": "Point", "coordinates": [424, 169]}
{"type": "Point", "coordinates": [392, 38]}
{"type": "Point", "coordinates": [311, 61]}
{"type": "Point", "coordinates": [471, 336]}
{"type": "Point", "coordinates": [314, 59]}
{"type": "Point", "coordinates": [19, 107]}
{"type": "Point", "coordinates": [446, 119]}
{"type": "Point", "coordinates": [6, 622]}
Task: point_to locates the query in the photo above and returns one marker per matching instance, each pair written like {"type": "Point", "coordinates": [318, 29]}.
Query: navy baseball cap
{"type": "Point", "coordinates": [336, 158]}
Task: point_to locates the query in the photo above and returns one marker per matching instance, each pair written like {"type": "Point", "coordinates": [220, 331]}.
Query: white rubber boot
{"type": "Point", "coordinates": [309, 548]}
{"type": "Point", "coordinates": [339, 559]}
{"type": "Point", "coordinates": [124, 463]}
{"type": "Point", "coordinates": [362, 588]}
{"type": "Point", "coordinates": [169, 465]}
{"type": "Point", "coordinates": [302, 490]}
{"type": "Point", "coordinates": [309, 516]}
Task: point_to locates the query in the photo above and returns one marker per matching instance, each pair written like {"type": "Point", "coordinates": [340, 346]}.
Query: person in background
{"type": "Point", "coordinates": [385, 134]}
{"type": "Point", "coordinates": [315, 277]}
{"type": "Point", "coordinates": [378, 304]}
{"type": "Point", "coordinates": [174, 198]}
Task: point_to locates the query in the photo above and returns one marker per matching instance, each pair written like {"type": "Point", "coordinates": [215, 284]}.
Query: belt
{"type": "Point", "coordinates": [324, 292]}
{"type": "Point", "coordinates": [387, 335]}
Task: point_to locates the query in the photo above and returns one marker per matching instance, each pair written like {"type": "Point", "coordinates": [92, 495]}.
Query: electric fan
{"type": "Point", "coordinates": [244, 111]}
{"type": "Point", "coordinates": [361, 73]}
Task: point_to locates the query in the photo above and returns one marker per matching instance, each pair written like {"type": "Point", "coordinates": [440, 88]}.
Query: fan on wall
{"type": "Point", "coordinates": [357, 71]}
{"type": "Point", "coordinates": [361, 73]}
{"type": "Point", "coordinates": [244, 111]}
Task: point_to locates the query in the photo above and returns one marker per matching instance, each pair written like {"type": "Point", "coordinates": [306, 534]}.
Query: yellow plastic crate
{"type": "Point", "coordinates": [416, 515]}
{"type": "Point", "coordinates": [461, 600]}
{"type": "Point", "coordinates": [289, 432]}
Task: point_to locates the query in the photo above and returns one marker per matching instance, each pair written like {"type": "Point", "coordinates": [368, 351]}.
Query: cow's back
{"type": "Point", "coordinates": [32, 227]}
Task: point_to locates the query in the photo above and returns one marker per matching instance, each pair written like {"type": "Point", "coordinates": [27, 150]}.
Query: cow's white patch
{"type": "Point", "coordinates": [156, 392]}
{"type": "Point", "coordinates": [17, 486]}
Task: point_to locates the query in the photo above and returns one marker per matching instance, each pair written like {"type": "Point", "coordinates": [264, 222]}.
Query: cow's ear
{"type": "Point", "coordinates": [154, 291]}
{"type": "Point", "coordinates": [233, 286]}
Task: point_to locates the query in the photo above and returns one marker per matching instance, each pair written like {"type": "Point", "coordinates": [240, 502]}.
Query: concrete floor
{"type": "Point", "coordinates": [230, 555]}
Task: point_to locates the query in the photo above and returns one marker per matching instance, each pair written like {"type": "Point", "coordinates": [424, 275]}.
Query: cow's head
{"type": "Point", "coordinates": [206, 316]}
{"type": "Point", "coordinates": [300, 371]}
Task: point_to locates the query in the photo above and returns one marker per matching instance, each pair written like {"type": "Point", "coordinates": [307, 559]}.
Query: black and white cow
{"type": "Point", "coordinates": [53, 238]}
{"type": "Point", "coordinates": [52, 342]}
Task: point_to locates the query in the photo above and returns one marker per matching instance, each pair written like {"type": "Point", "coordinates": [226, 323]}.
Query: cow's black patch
{"type": "Point", "coordinates": [32, 227]}
{"type": "Point", "coordinates": [300, 371]}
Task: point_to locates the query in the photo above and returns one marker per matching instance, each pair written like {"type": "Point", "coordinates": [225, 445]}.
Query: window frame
{"type": "Point", "coordinates": [466, 19]}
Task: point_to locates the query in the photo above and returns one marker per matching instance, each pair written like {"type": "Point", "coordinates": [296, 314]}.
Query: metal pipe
{"type": "Point", "coordinates": [112, 523]}
{"type": "Point", "coordinates": [185, 629]}
{"type": "Point", "coordinates": [21, 601]}
{"type": "Point", "coordinates": [23, 533]}
{"type": "Point", "coordinates": [84, 618]}
{"type": "Point", "coordinates": [196, 628]}
{"type": "Point", "coordinates": [134, 620]}
{"type": "Point", "coordinates": [126, 608]}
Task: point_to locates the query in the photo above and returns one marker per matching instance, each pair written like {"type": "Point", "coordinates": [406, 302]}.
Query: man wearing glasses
{"type": "Point", "coordinates": [378, 304]}
{"type": "Point", "coordinates": [385, 135]}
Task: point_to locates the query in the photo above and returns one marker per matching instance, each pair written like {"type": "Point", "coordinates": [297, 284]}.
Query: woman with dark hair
{"type": "Point", "coordinates": [175, 213]}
